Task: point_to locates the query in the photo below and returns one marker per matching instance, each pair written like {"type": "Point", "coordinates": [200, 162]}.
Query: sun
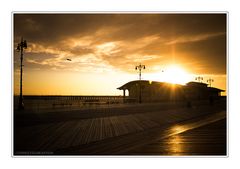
{"type": "Point", "coordinates": [176, 75]}
{"type": "Point", "coordinates": [173, 73]}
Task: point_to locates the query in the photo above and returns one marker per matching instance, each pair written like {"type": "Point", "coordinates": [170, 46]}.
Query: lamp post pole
{"type": "Point", "coordinates": [199, 79]}
{"type": "Point", "coordinates": [22, 45]}
{"type": "Point", "coordinates": [210, 82]}
{"type": "Point", "coordinates": [140, 67]}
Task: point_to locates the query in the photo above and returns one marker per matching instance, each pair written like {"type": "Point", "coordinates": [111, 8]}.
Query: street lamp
{"type": "Point", "coordinates": [140, 67]}
{"type": "Point", "coordinates": [199, 79]}
{"type": "Point", "coordinates": [22, 45]}
{"type": "Point", "coordinates": [210, 81]}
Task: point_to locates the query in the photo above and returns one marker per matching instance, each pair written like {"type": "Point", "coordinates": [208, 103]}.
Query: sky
{"type": "Point", "coordinates": [105, 48]}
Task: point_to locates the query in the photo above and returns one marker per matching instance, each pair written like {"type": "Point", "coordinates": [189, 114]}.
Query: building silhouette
{"type": "Point", "coordinates": [153, 91]}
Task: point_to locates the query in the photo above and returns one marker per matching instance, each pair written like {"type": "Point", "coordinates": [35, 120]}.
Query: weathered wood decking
{"type": "Point", "coordinates": [205, 140]}
{"type": "Point", "coordinates": [58, 136]}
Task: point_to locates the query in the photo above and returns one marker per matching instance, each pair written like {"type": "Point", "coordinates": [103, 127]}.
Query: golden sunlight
{"type": "Point", "coordinates": [176, 75]}
{"type": "Point", "coordinates": [175, 145]}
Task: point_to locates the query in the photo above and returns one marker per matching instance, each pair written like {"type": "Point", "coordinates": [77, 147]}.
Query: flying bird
{"type": "Point", "coordinates": [69, 59]}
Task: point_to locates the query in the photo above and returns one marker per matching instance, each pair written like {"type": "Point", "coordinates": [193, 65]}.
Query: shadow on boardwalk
{"type": "Point", "coordinates": [105, 131]}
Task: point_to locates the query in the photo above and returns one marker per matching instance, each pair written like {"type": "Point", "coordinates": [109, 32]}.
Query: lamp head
{"type": "Point", "coordinates": [18, 47]}
{"type": "Point", "coordinates": [25, 44]}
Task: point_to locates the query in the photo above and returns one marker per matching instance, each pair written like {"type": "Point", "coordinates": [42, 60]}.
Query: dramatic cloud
{"type": "Point", "coordinates": [103, 42]}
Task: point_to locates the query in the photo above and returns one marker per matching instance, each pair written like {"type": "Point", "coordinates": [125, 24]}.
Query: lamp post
{"type": "Point", "coordinates": [199, 79]}
{"type": "Point", "coordinates": [210, 81]}
{"type": "Point", "coordinates": [140, 67]}
{"type": "Point", "coordinates": [22, 45]}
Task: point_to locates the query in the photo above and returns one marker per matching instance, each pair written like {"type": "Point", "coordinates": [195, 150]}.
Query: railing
{"type": "Point", "coordinates": [41, 102]}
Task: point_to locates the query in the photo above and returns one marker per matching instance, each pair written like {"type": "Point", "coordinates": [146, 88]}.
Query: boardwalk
{"type": "Point", "coordinates": [209, 139]}
{"type": "Point", "coordinates": [113, 132]}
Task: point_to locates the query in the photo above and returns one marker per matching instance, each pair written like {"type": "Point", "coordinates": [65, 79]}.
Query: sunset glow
{"type": "Point", "coordinates": [177, 75]}
{"type": "Point", "coordinates": [104, 50]}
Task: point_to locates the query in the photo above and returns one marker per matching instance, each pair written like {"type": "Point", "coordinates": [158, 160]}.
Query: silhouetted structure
{"type": "Point", "coordinates": [153, 91]}
{"type": "Point", "coordinates": [22, 45]}
{"type": "Point", "coordinates": [199, 78]}
{"type": "Point", "coordinates": [209, 81]}
{"type": "Point", "coordinates": [140, 67]}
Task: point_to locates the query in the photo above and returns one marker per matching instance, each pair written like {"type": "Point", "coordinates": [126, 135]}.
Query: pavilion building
{"type": "Point", "coordinates": [153, 91]}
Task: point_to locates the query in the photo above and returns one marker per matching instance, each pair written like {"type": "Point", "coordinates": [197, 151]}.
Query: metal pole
{"type": "Point", "coordinates": [140, 67]}
{"type": "Point", "coordinates": [210, 82]}
{"type": "Point", "coordinates": [199, 79]}
{"type": "Point", "coordinates": [140, 74]}
{"type": "Point", "coordinates": [140, 93]}
{"type": "Point", "coordinates": [21, 105]}
{"type": "Point", "coordinates": [22, 45]}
